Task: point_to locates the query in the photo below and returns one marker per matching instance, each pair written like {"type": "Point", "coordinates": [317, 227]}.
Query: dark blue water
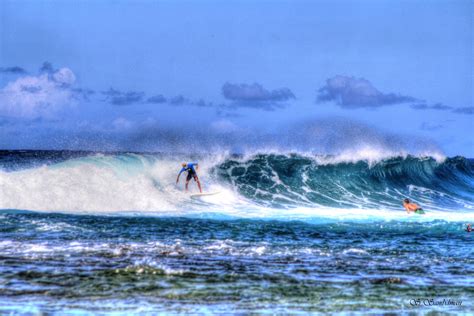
{"type": "Point", "coordinates": [105, 233]}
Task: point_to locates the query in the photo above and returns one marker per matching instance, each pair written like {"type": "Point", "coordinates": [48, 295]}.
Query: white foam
{"type": "Point", "coordinates": [101, 184]}
{"type": "Point", "coordinates": [136, 184]}
{"type": "Point", "coordinates": [79, 188]}
{"type": "Point", "coordinates": [372, 154]}
{"type": "Point", "coordinates": [355, 251]}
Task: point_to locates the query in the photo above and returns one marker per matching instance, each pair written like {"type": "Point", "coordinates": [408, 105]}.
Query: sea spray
{"type": "Point", "coordinates": [273, 185]}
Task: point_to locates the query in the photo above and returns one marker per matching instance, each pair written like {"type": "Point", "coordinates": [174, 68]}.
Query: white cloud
{"type": "Point", "coordinates": [351, 92]}
{"type": "Point", "coordinates": [64, 76]}
{"type": "Point", "coordinates": [38, 96]}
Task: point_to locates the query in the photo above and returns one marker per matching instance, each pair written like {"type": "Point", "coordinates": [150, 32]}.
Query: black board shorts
{"type": "Point", "coordinates": [191, 174]}
{"type": "Point", "coordinates": [419, 211]}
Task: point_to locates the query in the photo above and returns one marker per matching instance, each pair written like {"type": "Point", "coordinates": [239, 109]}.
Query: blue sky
{"type": "Point", "coordinates": [123, 75]}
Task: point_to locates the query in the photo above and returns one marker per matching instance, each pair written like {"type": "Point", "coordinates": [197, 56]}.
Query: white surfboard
{"type": "Point", "coordinates": [198, 195]}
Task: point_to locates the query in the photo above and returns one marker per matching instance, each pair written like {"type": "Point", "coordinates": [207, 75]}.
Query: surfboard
{"type": "Point", "coordinates": [198, 195]}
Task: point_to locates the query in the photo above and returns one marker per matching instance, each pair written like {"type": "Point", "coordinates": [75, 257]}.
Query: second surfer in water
{"type": "Point", "coordinates": [412, 207]}
{"type": "Point", "coordinates": [189, 167]}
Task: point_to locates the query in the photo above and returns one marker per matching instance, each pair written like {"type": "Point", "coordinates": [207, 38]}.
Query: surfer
{"type": "Point", "coordinates": [412, 207]}
{"type": "Point", "coordinates": [468, 228]}
{"type": "Point", "coordinates": [189, 167]}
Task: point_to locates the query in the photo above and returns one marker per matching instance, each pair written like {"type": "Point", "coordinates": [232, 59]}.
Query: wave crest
{"type": "Point", "coordinates": [293, 180]}
{"type": "Point", "coordinates": [263, 184]}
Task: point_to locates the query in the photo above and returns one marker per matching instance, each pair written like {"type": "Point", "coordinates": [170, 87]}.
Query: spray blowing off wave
{"type": "Point", "coordinates": [285, 181]}
{"type": "Point", "coordinates": [97, 183]}
{"type": "Point", "coordinates": [260, 183]}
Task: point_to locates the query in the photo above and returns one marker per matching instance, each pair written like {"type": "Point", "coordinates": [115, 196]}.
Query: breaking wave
{"type": "Point", "coordinates": [262, 184]}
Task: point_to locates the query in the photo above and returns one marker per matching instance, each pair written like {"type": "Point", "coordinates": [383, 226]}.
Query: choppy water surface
{"type": "Point", "coordinates": [112, 233]}
{"type": "Point", "coordinates": [54, 262]}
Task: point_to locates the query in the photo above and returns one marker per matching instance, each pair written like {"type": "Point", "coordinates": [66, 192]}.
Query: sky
{"type": "Point", "coordinates": [143, 75]}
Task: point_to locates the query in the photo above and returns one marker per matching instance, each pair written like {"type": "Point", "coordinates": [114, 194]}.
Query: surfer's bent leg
{"type": "Point", "coordinates": [198, 183]}
{"type": "Point", "coordinates": [188, 178]}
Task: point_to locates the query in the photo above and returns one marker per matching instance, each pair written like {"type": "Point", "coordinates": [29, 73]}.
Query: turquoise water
{"type": "Point", "coordinates": [107, 233]}
{"type": "Point", "coordinates": [56, 262]}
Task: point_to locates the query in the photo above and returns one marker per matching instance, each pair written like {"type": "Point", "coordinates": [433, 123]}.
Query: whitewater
{"type": "Point", "coordinates": [290, 232]}
{"type": "Point", "coordinates": [264, 185]}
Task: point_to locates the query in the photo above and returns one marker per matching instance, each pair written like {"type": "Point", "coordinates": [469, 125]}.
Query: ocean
{"type": "Point", "coordinates": [111, 233]}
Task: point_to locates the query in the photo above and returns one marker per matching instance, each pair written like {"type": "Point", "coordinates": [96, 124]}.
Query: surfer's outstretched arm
{"type": "Point", "coordinates": [177, 179]}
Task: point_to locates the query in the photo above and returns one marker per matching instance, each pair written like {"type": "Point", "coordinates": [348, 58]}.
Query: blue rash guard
{"type": "Point", "coordinates": [190, 169]}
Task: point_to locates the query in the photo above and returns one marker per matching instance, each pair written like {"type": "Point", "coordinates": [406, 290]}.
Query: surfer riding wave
{"type": "Point", "coordinates": [189, 167]}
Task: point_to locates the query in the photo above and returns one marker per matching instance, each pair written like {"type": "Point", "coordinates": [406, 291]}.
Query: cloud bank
{"type": "Point", "coordinates": [156, 99]}
{"type": "Point", "coordinates": [468, 110]}
{"type": "Point", "coordinates": [39, 96]}
{"type": "Point", "coordinates": [437, 106]}
{"type": "Point", "coordinates": [117, 97]}
{"type": "Point", "coordinates": [255, 92]}
{"type": "Point", "coordinates": [351, 93]}
{"type": "Point", "coordinates": [255, 96]}
{"type": "Point", "coordinates": [13, 70]}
